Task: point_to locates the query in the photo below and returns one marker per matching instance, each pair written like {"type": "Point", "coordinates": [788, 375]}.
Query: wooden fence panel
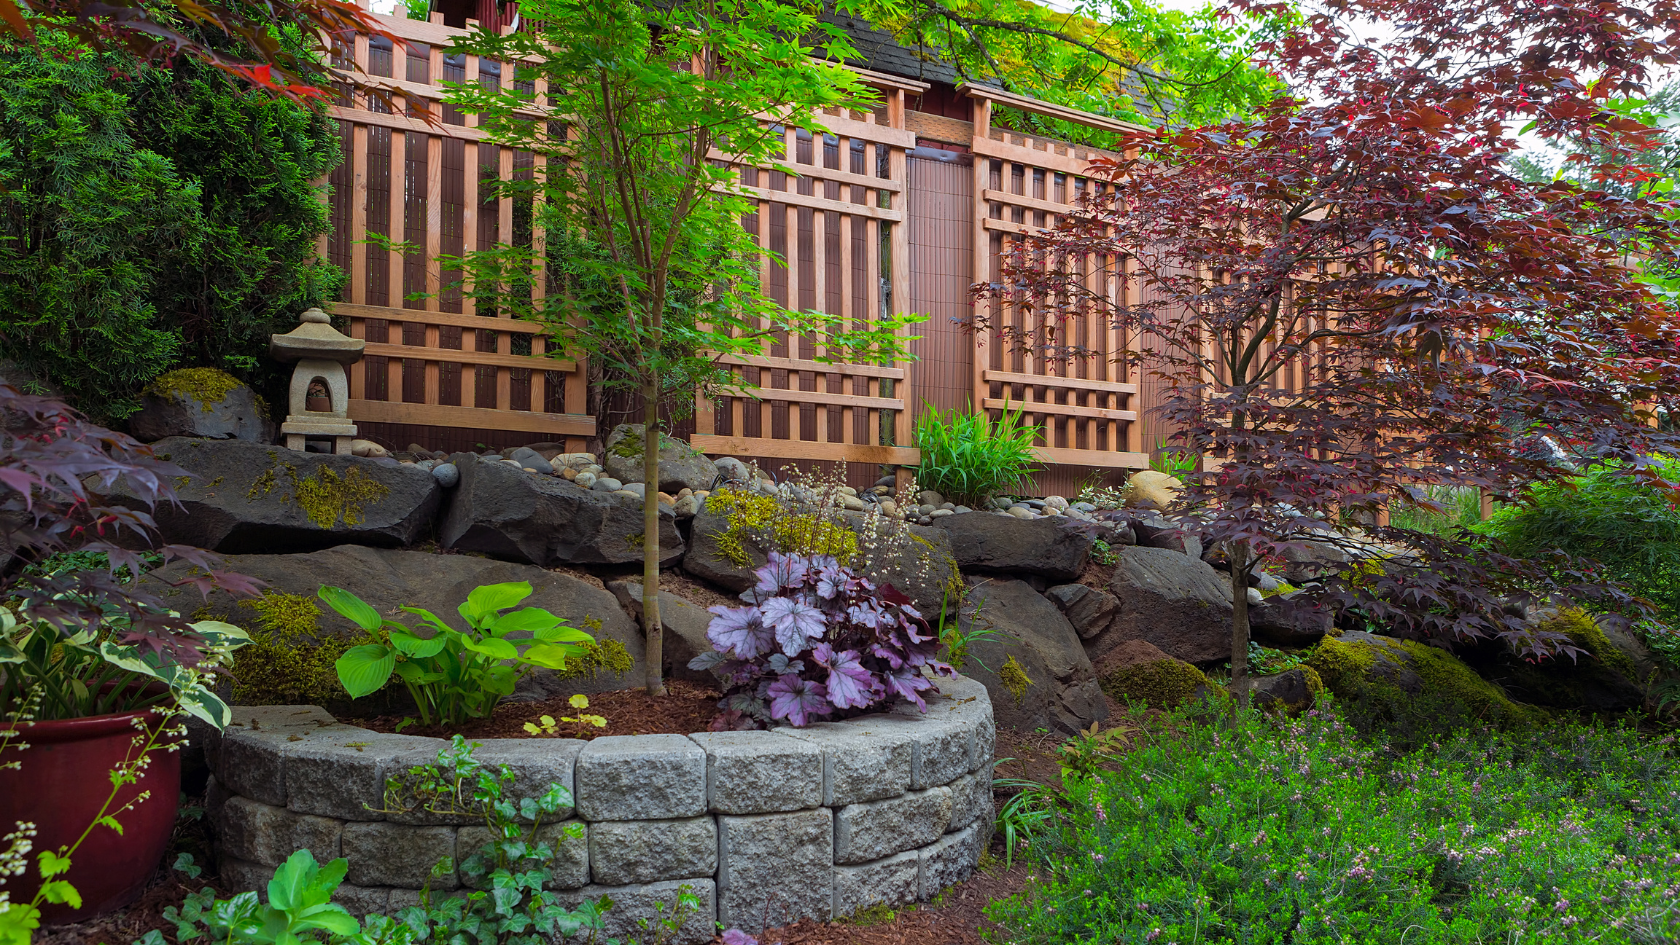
{"type": "Point", "coordinates": [433, 360]}
{"type": "Point", "coordinates": [1072, 376]}
{"type": "Point", "coordinates": [835, 237]}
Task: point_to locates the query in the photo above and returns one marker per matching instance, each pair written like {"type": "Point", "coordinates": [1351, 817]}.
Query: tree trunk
{"type": "Point", "coordinates": [1239, 623]}
{"type": "Point", "coordinates": [651, 627]}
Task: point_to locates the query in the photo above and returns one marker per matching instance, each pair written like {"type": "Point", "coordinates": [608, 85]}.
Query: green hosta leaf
{"type": "Point", "coordinates": [364, 669]}
{"type": "Point", "coordinates": [493, 647]}
{"type": "Point", "coordinates": [526, 620]}
{"type": "Point", "coordinates": [551, 655]}
{"type": "Point", "coordinates": [218, 633]}
{"type": "Point", "coordinates": [485, 602]}
{"type": "Point", "coordinates": [443, 629]}
{"type": "Point", "coordinates": [417, 647]}
{"type": "Point", "coordinates": [564, 634]}
{"type": "Point", "coordinates": [351, 607]}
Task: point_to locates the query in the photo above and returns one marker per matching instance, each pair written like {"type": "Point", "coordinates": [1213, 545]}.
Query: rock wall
{"type": "Point", "coordinates": [764, 827]}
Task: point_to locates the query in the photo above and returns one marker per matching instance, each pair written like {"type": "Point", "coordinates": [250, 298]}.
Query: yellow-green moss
{"type": "Point", "coordinates": [1563, 682]}
{"type": "Point", "coordinates": [208, 386]}
{"type": "Point", "coordinates": [326, 497]}
{"type": "Point", "coordinates": [1015, 679]}
{"type": "Point", "coordinates": [753, 515]}
{"type": "Point", "coordinates": [953, 589]}
{"type": "Point", "coordinates": [287, 662]}
{"type": "Point", "coordinates": [1315, 682]}
{"type": "Point", "coordinates": [1163, 684]}
{"type": "Point", "coordinates": [1346, 668]}
{"type": "Point", "coordinates": [1584, 632]}
{"type": "Point", "coordinates": [608, 655]}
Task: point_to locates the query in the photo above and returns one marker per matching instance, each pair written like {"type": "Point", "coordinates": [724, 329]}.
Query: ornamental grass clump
{"type": "Point", "coordinates": [969, 458]}
{"type": "Point", "coordinates": [815, 642]}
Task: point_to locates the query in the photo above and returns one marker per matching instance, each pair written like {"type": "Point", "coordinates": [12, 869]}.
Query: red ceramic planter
{"type": "Point", "coordinates": [61, 783]}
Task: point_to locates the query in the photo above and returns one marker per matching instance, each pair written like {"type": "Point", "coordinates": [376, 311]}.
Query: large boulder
{"type": "Point", "coordinates": [1283, 620]}
{"type": "Point", "coordinates": [1090, 610]}
{"type": "Point", "coordinates": [1161, 684]}
{"type": "Point", "coordinates": [201, 402]}
{"type": "Point", "coordinates": [1411, 682]}
{"type": "Point", "coordinates": [1150, 489]}
{"type": "Point", "coordinates": [1313, 559]}
{"type": "Point", "coordinates": [1031, 663]}
{"type": "Point", "coordinates": [1179, 603]}
{"type": "Point", "coordinates": [1009, 545]}
{"type": "Point", "coordinates": [729, 537]}
{"type": "Point", "coordinates": [680, 465]}
{"type": "Point", "coordinates": [390, 579]}
{"type": "Point", "coordinates": [685, 624]}
{"type": "Point", "coordinates": [1292, 690]}
{"type": "Point", "coordinates": [244, 497]}
{"type": "Point", "coordinates": [1602, 678]}
{"type": "Point", "coordinates": [505, 512]}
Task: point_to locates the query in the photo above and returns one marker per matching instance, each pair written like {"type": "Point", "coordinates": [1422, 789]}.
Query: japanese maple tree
{"type": "Point", "coordinates": [1353, 298]}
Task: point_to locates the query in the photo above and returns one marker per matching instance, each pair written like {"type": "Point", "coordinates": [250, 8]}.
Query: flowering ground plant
{"type": "Point", "coordinates": [817, 641]}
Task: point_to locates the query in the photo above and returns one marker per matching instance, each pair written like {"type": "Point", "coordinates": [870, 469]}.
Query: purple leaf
{"type": "Point", "coordinates": [850, 684]}
{"type": "Point", "coordinates": [798, 700]}
{"type": "Point", "coordinates": [909, 684]}
{"type": "Point", "coordinates": [781, 571]}
{"type": "Point", "coordinates": [739, 631]}
{"type": "Point", "coordinates": [796, 624]}
{"type": "Point", "coordinates": [738, 937]}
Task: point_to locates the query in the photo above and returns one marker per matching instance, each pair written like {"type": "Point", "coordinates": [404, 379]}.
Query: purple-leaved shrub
{"type": "Point", "coordinates": [817, 642]}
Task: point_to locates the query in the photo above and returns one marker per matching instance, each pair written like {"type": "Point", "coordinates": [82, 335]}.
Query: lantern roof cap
{"type": "Point", "coordinates": [315, 338]}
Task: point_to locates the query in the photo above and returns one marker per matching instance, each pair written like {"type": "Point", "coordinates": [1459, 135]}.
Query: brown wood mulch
{"type": "Point", "coordinates": [687, 707]}
{"type": "Point", "coordinates": [955, 918]}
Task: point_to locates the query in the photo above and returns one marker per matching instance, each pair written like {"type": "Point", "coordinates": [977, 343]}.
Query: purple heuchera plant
{"type": "Point", "coordinates": [817, 641]}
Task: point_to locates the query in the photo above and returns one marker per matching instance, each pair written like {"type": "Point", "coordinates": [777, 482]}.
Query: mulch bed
{"type": "Point", "coordinates": [957, 919]}
{"type": "Point", "coordinates": [687, 707]}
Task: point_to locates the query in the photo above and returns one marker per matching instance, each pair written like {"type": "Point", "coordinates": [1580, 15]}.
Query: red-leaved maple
{"type": "Point", "coordinates": [1353, 299]}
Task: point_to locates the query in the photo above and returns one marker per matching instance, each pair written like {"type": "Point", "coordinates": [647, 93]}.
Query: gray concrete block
{"type": "Point", "coordinates": [537, 764]}
{"type": "Point", "coordinates": [342, 774]}
{"type": "Point", "coordinates": [940, 748]}
{"type": "Point", "coordinates": [264, 834]}
{"type": "Point", "coordinates": [363, 901]}
{"type": "Point", "coordinates": [877, 829]}
{"type": "Point", "coordinates": [628, 853]}
{"type": "Point", "coordinates": [887, 882]}
{"type": "Point", "coordinates": [760, 772]}
{"type": "Point", "coordinates": [248, 755]}
{"type": "Point", "coordinates": [971, 799]}
{"type": "Point", "coordinates": [640, 777]}
{"type": "Point", "coordinates": [243, 876]}
{"type": "Point", "coordinates": [952, 859]}
{"type": "Point", "coordinates": [775, 868]}
{"type": "Point", "coordinates": [383, 854]}
{"type": "Point", "coordinates": [403, 898]}
{"type": "Point", "coordinates": [568, 869]}
{"type": "Point", "coordinates": [637, 910]}
{"type": "Point", "coordinates": [857, 766]}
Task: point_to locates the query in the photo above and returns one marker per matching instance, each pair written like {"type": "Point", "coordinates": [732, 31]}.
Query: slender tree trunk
{"type": "Point", "coordinates": [1239, 622]}
{"type": "Point", "coordinates": [651, 627]}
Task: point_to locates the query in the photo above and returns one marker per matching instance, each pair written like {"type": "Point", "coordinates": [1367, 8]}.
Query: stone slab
{"type": "Point", "coordinates": [878, 829]}
{"type": "Point", "coordinates": [887, 882]}
{"type": "Point", "coordinates": [952, 859]}
{"type": "Point", "coordinates": [640, 777]}
{"type": "Point", "coordinates": [760, 772]}
{"type": "Point", "coordinates": [569, 869]}
{"type": "Point", "coordinates": [342, 774]}
{"type": "Point", "coordinates": [637, 910]}
{"type": "Point", "coordinates": [857, 766]}
{"type": "Point", "coordinates": [775, 868]}
{"type": "Point", "coordinates": [627, 853]}
{"type": "Point", "coordinates": [267, 835]}
{"type": "Point", "coordinates": [385, 854]}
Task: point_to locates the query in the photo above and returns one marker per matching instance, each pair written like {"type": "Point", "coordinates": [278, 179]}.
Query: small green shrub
{"type": "Point", "coordinates": [454, 676]}
{"type": "Point", "coordinates": [1463, 509]}
{"type": "Point", "coordinates": [1631, 529]}
{"type": "Point", "coordinates": [968, 458]}
{"type": "Point", "coordinates": [1272, 830]}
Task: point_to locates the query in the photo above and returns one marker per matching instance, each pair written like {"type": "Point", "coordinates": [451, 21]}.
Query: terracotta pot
{"type": "Point", "coordinates": [318, 404]}
{"type": "Point", "coordinates": [61, 783]}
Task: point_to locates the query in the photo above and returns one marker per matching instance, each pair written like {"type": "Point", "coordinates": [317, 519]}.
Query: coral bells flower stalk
{"type": "Point", "coordinates": [817, 641]}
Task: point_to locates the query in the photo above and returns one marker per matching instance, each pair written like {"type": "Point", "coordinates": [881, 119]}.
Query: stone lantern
{"type": "Point", "coordinates": [321, 354]}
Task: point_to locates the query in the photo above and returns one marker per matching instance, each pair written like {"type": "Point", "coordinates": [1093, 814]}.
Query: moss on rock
{"type": "Point", "coordinates": [1403, 679]}
{"type": "Point", "coordinates": [1015, 679]}
{"type": "Point", "coordinates": [288, 661]}
{"type": "Point", "coordinates": [207, 386]}
{"type": "Point", "coordinates": [327, 498]}
{"type": "Point", "coordinates": [1602, 679]}
{"type": "Point", "coordinates": [1162, 684]}
{"type": "Point", "coordinates": [752, 515]}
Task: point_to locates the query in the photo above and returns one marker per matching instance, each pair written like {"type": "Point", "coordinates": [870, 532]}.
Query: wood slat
{"type": "Point", "coordinates": [801, 449]}
{"type": "Point", "coordinates": [1065, 383]}
{"type": "Point", "coordinates": [1036, 107]}
{"type": "Point", "coordinates": [818, 172]}
{"type": "Point", "coordinates": [1018, 154]}
{"type": "Point", "coordinates": [452, 356]}
{"type": "Point", "coordinates": [792, 199]}
{"type": "Point", "coordinates": [774, 394]}
{"type": "Point", "coordinates": [451, 319]}
{"type": "Point", "coordinates": [472, 418]}
{"type": "Point", "coordinates": [1076, 457]}
{"type": "Point", "coordinates": [1066, 410]}
{"type": "Point", "coordinates": [799, 364]}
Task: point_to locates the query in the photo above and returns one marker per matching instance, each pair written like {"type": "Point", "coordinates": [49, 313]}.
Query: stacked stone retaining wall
{"type": "Point", "coordinates": [764, 827]}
